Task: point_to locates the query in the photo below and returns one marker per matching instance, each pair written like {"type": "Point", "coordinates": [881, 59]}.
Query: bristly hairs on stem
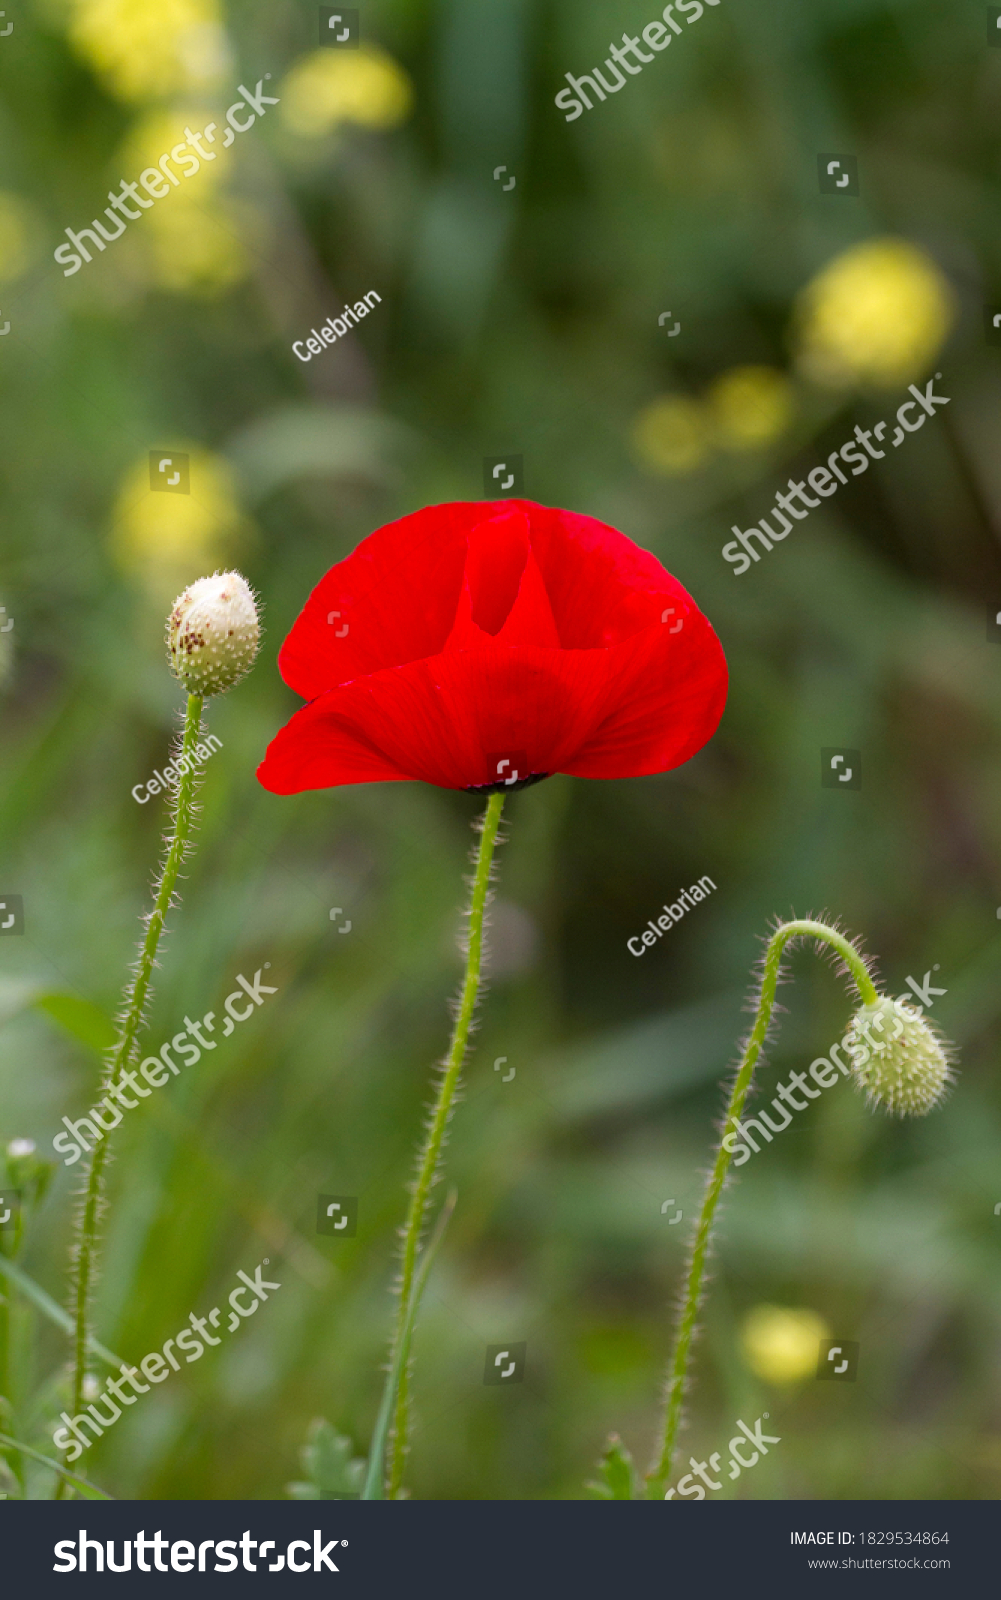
{"type": "Point", "coordinates": [213, 635]}
{"type": "Point", "coordinates": [124, 1052]}
{"type": "Point", "coordinates": [439, 1115]}
{"type": "Point", "coordinates": [769, 973]}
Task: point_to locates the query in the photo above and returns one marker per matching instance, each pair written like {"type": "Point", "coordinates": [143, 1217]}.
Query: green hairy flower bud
{"type": "Point", "coordinates": [213, 633]}
{"type": "Point", "coordinates": [899, 1059]}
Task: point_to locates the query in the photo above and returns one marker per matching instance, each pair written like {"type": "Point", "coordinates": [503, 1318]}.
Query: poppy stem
{"type": "Point", "coordinates": [430, 1155]}
{"type": "Point", "coordinates": [122, 1056]}
{"type": "Point", "coordinates": [660, 1472]}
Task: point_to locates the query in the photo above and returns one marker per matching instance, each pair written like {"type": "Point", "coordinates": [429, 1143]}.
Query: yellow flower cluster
{"type": "Point", "coordinates": [193, 242]}
{"type": "Point", "coordinates": [876, 315]}
{"type": "Point", "coordinates": [147, 52]}
{"type": "Point", "coordinates": [746, 408]}
{"type": "Point", "coordinates": [196, 242]}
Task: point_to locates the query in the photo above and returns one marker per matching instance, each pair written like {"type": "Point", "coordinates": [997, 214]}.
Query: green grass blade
{"type": "Point", "coordinates": [33, 1291]}
{"type": "Point", "coordinates": [373, 1489]}
{"type": "Point", "coordinates": [89, 1491]}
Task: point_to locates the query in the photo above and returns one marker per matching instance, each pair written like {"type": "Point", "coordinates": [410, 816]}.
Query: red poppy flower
{"type": "Point", "coordinates": [486, 645]}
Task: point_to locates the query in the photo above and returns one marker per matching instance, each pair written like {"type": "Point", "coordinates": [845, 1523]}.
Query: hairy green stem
{"type": "Point", "coordinates": [374, 1486]}
{"type": "Point", "coordinates": [124, 1051]}
{"type": "Point", "coordinates": [6, 1385]}
{"type": "Point", "coordinates": [12, 1245]}
{"type": "Point", "coordinates": [678, 1365]}
{"type": "Point", "coordinates": [430, 1155]}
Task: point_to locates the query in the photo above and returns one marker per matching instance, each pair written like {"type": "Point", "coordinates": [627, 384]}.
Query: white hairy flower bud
{"type": "Point", "coordinates": [213, 633]}
{"type": "Point", "coordinates": [899, 1059]}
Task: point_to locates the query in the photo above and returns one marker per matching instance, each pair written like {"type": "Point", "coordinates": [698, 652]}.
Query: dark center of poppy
{"type": "Point", "coordinates": [506, 788]}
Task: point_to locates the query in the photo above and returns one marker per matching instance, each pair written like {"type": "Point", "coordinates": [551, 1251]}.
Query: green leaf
{"type": "Point", "coordinates": [82, 1019]}
{"type": "Point", "coordinates": [333, 1473]}
{"type": "Point", "coordinates": [377, 1453]}
{"type": "Point", "coordinates": [616, 1473]}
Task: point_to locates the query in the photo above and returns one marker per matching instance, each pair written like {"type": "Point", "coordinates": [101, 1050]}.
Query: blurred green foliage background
{"type": "Point", "coordinates": [523, 321]}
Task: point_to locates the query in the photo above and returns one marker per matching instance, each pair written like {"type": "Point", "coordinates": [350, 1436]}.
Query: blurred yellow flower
{"type": "Point", "coordinates": [170, 539]}
{"type": "Point", "coordinates": [751, 407]}
{"type": "Point", "coordinates": [876, 314]}
{"type": "Point", "coordinates": [196, 251]}
{"type": "Point", "coordinates": [145, 51]}
{"type": "Point", "coordinates": [192, 240]}
{"type": "Point", "coordinates": [156, 134]}
{"type": "Point", "coordinates": [19, 236]}
{"type": "Point", "coordinates": [782, 1344]}
{"type": "Point", "coordinates": [672, 435]}
{"type": "Point", "coordinates": [333, 86]}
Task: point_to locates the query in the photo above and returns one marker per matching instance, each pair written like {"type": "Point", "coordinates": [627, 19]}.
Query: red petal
{"type": "Point", "coordinates": [503, 595]}
{"type": "Point", "coordinates": [666, 695]}
{"type": "Point", "coordinates": [601, 586]}
{"type": "Point", "coordinates": [315, 750]}
{"type": "Point", "coordinates": [643, 706]}
{"type": "Point", "coordinates": [445, 721]}
{"type": "Point", "coordinates": [497, 551]}
{"type": "Point", "coordinates": [396, 594]}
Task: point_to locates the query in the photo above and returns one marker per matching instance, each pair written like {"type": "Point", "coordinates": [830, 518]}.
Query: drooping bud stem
{"type": "Point", "coordinates": [910, 1075]}
{"type": "Point", "coordinates": [213, 633]}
